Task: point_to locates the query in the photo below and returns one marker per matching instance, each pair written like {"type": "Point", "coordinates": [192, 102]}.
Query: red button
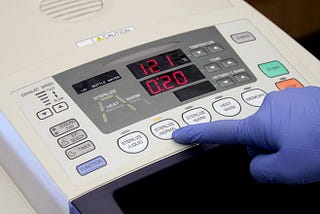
{"type": "Point", "coordinates": [290, 83]}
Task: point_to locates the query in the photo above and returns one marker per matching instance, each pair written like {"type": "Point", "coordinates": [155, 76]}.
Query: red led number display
{"type": "Point", "coordinates": [171, 80]}
{"type": "Point", "coordinates": [153, 65]}
{"type": "Point", "coordinates": [166, 82]}
{"type": "Point", "coordinates": [158, 63]}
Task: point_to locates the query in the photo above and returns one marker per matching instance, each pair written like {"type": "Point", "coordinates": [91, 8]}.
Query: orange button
{"type": "Point", "coordinates": [290, 83]}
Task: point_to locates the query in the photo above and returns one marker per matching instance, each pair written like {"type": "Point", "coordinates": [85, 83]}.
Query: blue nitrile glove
{"type": "Point", "coordinates": [283, 136]}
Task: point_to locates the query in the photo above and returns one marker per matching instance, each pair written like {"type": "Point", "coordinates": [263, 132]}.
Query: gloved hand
{"type": "Point", "coordinates": [283, 136]}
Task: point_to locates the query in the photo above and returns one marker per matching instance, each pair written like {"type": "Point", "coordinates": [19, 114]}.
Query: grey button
{"type": "Point", "coordinates": [44, 114]}
{"type": "Point", "coordinates": [199, 52]}
{"type": "Point", "coordinates": [72, 138]}
{"type": "Point", "coordinates": [227, 63]}
{"type": "Point", "coordinates": [64, 127]}
{"type": "Point", "coordinates": [242, 77]}
{"type": "Point", "coordinates": [80, 149]}
{"type": "Point", "coordinates": [243, 37]}
{"type": "Point", "coordinates": [215, 48]}
{"type": "Point", "coordinates": [212, 67]}
{"type": "Point", "coordinates": [226, 82]}
{"type": "Point", "coordinates": [60, 107]}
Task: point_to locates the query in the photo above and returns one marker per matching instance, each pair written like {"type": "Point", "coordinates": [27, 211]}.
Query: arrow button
{"type": "Point", "coordinates": [199, 52]}
{"type": "Point", "coordinates": [215, 48]}
{"type": "Point", "coordinates": [242, 77]}
{"type": "Point", "coordinates": [227, 63]}
{"type": "Point", "coordinates": [45, 113]}
{"type": "Point", "coordinates": [226, 82]}
{"type": "Point", "coordinates": [60, 107]}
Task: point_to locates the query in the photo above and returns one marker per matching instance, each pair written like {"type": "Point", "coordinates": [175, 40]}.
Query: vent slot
{"type": "Point", "coordinates": [70, 10]}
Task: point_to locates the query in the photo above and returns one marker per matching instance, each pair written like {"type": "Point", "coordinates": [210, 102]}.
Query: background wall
{"type": "Point", "coordinates": [299, 18]}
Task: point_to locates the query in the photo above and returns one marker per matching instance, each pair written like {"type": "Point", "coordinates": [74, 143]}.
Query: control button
{"type": "Point", "coordinates": [215, 48]}
{"type": "Point", "coordinates": [228, 107]}
{"type": "Point", "coordinates": [273, 69]}
{"type": "Point", "coordinates": [164, 129]}
{"type": "Point", "coordinates": [72, 138]}
{"type": "Point", "coordinates": [197, 115]}
{"type": "Point", "coordinates": [133, 143]}
{"type": "Point", "coordinates": [64, 127]}
{"type": "Point", "coordinates": [228, 63]}
{"type": "Point", "coordinates": [254, 97]}
{"type": "Point", "coordinates": [91, 165]}
{"type": "Point", "coordinates": [290, 83]}
{"type": "Point", "coordinates": [242, 77]}
{"type": "Point", "coordinates": [60, 107]}
{"type": "Point", "coordinates": [243, 37]}
{"type": "Point", "coordinates": [199, 52]}
{"type": "Point", "coordinates": [212, 67]}
{"type": "Point", "coordinates": [44, 114]}
{"type": "Point", "coordinates": [80, 149]}
{"type": "Point", "coordinates": [226, 82]}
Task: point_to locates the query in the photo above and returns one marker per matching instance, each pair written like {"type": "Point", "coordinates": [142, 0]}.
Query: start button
{"type": "Point", "coordinates": [273, 69]}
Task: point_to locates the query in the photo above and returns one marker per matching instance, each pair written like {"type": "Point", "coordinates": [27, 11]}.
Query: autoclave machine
{"type": "Point", "coordinates": [91, 91]}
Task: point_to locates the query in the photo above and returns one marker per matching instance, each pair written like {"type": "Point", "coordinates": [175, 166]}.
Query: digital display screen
{"type": "Point", "coordinates": [194, 91]}
{"type": "Point", "coordinates": [97, 81]}
{"type": "Point", "coordinates": [172, 80]}
{"type": "Point", "coordinates": [158, 63]}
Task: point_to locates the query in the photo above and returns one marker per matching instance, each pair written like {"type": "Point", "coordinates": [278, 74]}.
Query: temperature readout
{"type": "Point", "coordinates": [158, 63]}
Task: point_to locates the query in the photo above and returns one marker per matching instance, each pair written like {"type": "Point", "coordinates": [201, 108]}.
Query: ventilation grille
{"type": "Point", "coordinates": [67, 10]}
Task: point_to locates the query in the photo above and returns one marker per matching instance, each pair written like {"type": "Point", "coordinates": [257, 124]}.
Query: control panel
{"type": "Point", "coordinates": [116, 114]}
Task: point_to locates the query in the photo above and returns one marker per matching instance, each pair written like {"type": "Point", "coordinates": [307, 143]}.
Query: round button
{"type": "Point", "coordinates": [197, 115]}
{"type": "Point", "coordinates": [227, 107]}
{"type": "Point", "coordinates": [164, 129]}
{"type": "Point", "coordinates": [254, 97]}
{"type": "Point", "coordinates": [133, 143]}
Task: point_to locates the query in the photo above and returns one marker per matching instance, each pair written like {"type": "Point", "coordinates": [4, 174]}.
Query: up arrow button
{"type": "Point", "coordinates": [60, 107]}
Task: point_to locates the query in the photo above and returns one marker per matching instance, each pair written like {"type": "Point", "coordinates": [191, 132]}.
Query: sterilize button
{"type": "Point", "coordinates": [197, 115]}
{"type": "Point", "coordinates": [164, 129]}
{"type": "Point", "coordinates": [133, 142]}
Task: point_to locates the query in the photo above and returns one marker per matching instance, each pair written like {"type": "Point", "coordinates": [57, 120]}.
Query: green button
{"type": "Point", "coordinates": [273, 69]}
